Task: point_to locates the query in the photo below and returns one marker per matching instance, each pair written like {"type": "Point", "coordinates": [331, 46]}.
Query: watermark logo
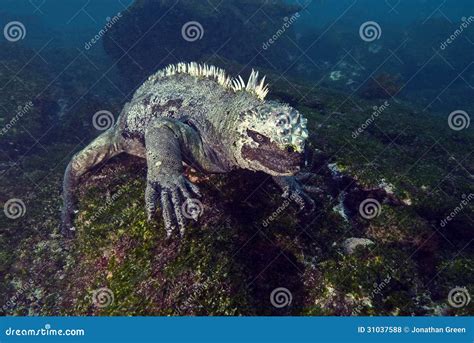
{"type": "Point", "coordinates": [370, 31]}
{"type": "Point", "coordinates": [377, 289]}
{"type": "Point", "coordinates": [102, 297]}
{"type": "Point", "coordinates": [193, 301]}
{"type": "Point", "coordinates": [370, 208]}
{"type": "Point", "coordinates": [281, 297]}
{"type": "Point", "coordinates": [464, 202]}
{"type": "Point", "coordinates": [293, 197]}
{"type": "Point", "coordinates": [14, 208]}
{"type": "Point", "coordinates": [110, 22]}
{"type": "Point", "coordinates": [288, 22]}
{"type": "Point", "coordinates": [459, 120]}
{"type": "Point", "coordinates": [21, 111]}
{"type": "Point", "coordinates": [108, 203]}
{"type": "Point", "coordinates": [377, 111]}
{"type": "Point", "coordinates": [25, 287]}
{"type": "Point", "coordinates": [103, 120]}
{"type": "Point", "coordinates": [14, 31]}
{"type": "Point", "coordinates": [47, 330]}
{"type": "Point", "coordinates": [462, 27]}
{"type": "Point", "coordinates": [192, 209]}
{"type": "Point", "coordinates": [192, 31]}
{"type": "Point", "coordinates": [459, 297]}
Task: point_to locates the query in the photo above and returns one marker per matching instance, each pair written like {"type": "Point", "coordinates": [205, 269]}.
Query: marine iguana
{"type": "Point", "coordinates": [195, 114]}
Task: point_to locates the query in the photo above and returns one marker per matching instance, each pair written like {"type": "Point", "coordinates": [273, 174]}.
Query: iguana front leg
{"type": "Point", "coordinates": [294, 189]}
{"type": "Point", "coordinates": [164, 140]}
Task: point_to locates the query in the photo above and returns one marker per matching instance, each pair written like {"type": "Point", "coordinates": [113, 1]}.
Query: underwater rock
{"type": "Point", "coordinates": [233, 258]}
{"type": "Point", "coordinates": [228, 262]}
{"type": "Point", "coordinates": [335, 75]}
{"type": "Point", "coordinates": [351, 244]}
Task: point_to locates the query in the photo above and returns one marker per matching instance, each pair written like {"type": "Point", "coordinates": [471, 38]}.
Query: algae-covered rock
{"type": "Point", "coordinates": [351, 244]}
{"type": "Point", "coordinates": [250, 252]}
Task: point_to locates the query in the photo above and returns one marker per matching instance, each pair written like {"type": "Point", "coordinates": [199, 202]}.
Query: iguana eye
{"type": "Point", "coordinates": [259, 137]}
{"type": "Point", "coordinates": [281, 122]}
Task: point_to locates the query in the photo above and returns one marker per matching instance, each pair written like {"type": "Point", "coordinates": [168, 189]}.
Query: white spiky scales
{"type": "Point", "coordinates": [253, 85]}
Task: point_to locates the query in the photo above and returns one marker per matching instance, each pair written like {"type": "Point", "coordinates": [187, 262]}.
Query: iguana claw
{"type": "Point", "coordinates": [172, 196]}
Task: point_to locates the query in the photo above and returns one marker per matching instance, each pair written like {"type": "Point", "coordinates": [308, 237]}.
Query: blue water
{"type": "Point", "coordinates": [327, 49]}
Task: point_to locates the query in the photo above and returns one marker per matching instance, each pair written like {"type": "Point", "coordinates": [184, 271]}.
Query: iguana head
{"type": "Point", "coordinates": [271, 139]}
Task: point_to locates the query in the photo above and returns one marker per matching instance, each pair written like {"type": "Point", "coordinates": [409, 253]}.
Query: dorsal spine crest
{"type": "Point", "coordinates": [253, 85]}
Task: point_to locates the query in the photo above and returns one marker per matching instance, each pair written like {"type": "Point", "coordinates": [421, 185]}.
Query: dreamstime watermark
{"type": "Point", "coordinates": [198, 289]}
{"type": "Point", "coordinates": [459, 297]}
{"type": "Point", "coordinates": [293, 197]}
{"type": "Point", "coordinates": [464, 202]}
{"type": "Point", "coordinates": [24, 289]}
{"type": "Point", "coordinates": [377, 110]}
{"type": "Point", "coordinates": [192, 208]}
{"type": "Point", "coordinates": [281, 297]}
{"type": "Point", "coordinates": [46, 331]}
{"type": "Point", "coordinates": [370, 31]}
{"type": "Point", "coordinates": [103, 297]}
{"type": "Point", "coordinates": [459, 120]}
{"type": "Point", "coordinates": [14, 208]}
{"type": "Point", "coordinates": [14, 31]}
{"type": "Point", "coordinates": [288, 21]}
{"type": "Point", "coordinates": [12, 301]}
{"type": "Point", "coordinates": [108, 203]}
{"type": "Point", "coordinates": [370, 208]}
{"type": "Point", "coordinates": [378, 288]}
{"type": "Point", "coordinates": [110, 22]}
{"type": "Point", "coordinates": [103, 120]}
{"type": "Point", "coordinates": [192, 31]}
{"type": "Point", "coordinates": [458, 32]}
{"type": "Point", "coordinates": [20, 112]}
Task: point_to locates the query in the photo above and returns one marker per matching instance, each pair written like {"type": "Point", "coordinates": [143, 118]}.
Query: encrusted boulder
{"type": "Point", "coordinates": [351, 244]}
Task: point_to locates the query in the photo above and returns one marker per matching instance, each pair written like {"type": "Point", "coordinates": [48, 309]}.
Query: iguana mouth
{"type": "Point", "coordinates": [277, 160]}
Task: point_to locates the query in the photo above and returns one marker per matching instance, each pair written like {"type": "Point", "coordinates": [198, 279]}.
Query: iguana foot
{"type": "Point", "coordinates": [172, 194]}
{"type": "Point", "coordinates": [297, 192]}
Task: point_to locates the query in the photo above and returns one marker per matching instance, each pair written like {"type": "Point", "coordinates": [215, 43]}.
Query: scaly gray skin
{"type": "Point", "coordinates": [177, 118]}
